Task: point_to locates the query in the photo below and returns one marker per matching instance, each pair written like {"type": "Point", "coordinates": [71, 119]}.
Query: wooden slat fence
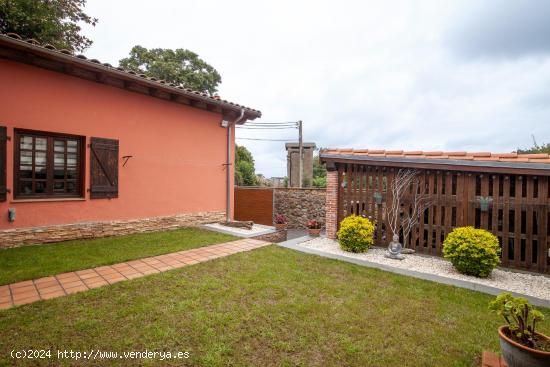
{"type": "Point", "coordinates": [519, 213]}
{"type": "Point", "coordinates": [255, 204]}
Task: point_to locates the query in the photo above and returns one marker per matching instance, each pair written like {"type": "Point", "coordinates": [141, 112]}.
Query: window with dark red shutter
{"type": "Point", "coordinates": [3, 183]}
{"type": "Point", "coordinates": [103, 168]}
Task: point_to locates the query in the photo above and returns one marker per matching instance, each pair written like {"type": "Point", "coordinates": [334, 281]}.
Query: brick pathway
{"type": "Point", "coordinates": [490, 359]}
{"type": "Point", "coordinates": [29, 291]}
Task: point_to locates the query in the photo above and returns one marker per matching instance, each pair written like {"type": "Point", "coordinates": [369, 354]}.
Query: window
{"type": "Point", "coordinates": [47, 165]}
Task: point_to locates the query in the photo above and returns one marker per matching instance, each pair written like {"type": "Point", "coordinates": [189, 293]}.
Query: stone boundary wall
{"type": "Point", "coordinates": [299, 205]}
{"type": "Point", "coordinates": [40, 235]}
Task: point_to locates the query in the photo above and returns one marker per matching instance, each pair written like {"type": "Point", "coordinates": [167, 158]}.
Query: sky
{"type": "Point", "coordinates": [463, 75]}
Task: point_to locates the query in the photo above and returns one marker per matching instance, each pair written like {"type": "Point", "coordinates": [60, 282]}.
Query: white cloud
{"type": "Point", "coordinates": [376, 74]}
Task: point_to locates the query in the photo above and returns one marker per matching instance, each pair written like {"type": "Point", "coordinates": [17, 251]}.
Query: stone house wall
{"type": "Point", "coordinates": [40, 235]}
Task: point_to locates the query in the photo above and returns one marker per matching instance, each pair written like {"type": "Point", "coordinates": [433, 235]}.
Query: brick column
{"type": "Point", "coordinates": [331, 206]}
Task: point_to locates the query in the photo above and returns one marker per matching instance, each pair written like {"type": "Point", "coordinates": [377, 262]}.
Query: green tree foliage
{"type": "Point", "coordinates": [47, 21]}
{"type": "Point", "coordinates": [536, 148]}
{"type": "Point", "coordinates": [245, 173]}
{"type": "Point", "coordinates": [180, 66]}
{"type": "Point", "coordinates": [319, 173]}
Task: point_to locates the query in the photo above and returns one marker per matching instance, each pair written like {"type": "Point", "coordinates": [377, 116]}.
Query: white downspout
{"type": "Point", "coordinates": [229, 163]}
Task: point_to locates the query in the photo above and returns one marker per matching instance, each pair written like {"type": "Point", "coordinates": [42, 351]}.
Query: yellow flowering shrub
{"type": "Point", "coordinates": [472, 251]}
{"type": "Point", "coordinates": [356, 234]}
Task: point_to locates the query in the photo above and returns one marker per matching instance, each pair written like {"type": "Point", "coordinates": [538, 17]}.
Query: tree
{"type": "Point", "coordinates": [245, 174]}
{"type": "Point", "coordinates": [181, 67]}
{"type": "Point", "coordinates": [47, 21]}
{"type": "Point", "coordinates": [319, 172]}
{"type": "Point", "coordinates": [536, 148]}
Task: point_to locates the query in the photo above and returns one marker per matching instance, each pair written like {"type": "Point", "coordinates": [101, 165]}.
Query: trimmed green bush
{"type": "Point", "coordinates": [472, 251]}
{"type": "Point", "coordinates": [356, 234]}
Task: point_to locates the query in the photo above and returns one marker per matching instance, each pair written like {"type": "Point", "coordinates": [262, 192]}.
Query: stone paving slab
{"type": "Point", "coordinates": [29, 291]}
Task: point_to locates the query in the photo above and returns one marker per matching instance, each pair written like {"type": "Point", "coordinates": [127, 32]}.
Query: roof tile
{"type": "Point", "coordinates": [534, 156]}
{"type": "Point", "coordinates": [456, 154]}
{"type": "Point", "coordinates": [461, 156]}
{"type": "Point", "coordinates": [35, 43]}
{"type": "Point", "coordinates": [505, 155]}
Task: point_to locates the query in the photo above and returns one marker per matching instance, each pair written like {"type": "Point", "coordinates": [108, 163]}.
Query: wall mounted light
{"type": "Point", "coordinates": [11, 214]}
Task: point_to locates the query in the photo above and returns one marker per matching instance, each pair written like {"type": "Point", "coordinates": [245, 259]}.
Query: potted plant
{"type": "Point", "coordinates": [520, 344]}
{"type": "Point", "coordinates": [313, 228]}
{"type": "Point", "coordinates": [280, 222]}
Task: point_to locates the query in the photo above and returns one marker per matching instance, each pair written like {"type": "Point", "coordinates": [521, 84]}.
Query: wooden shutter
{"type": "Point", "coordinates": [3, 151]}
{"type": "Point", "coordinates": [103, 168]}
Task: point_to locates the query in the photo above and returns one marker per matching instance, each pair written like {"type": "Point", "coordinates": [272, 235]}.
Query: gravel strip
{"type": "Point", "coordinates": [529, 284]}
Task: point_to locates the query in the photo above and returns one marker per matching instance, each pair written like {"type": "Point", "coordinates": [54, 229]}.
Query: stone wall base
{"type": "Point", "coordinates": [275, 237]}
{"type": "Point", "coordinates": [40, 235]}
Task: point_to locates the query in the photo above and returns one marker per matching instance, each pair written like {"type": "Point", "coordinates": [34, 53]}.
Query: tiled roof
{"type": "Point", "coordinates": [458, 156]}
{"type": "Point", "coordinates": [31, 44]}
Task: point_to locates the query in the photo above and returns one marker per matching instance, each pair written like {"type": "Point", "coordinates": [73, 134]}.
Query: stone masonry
{"type": "Point", "coordinates": [331, 221]}
{"type": "Point", "coordinates": [299, 205]}
{"type": "Point", "coordinates": [39, 235]}
{"type": "Point", "coordinates": [293, 164]}
{"type": "Point", "coordinates": [275, 237]}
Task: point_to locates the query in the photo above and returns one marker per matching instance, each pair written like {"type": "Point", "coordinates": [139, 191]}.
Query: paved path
{"type": "Point", "coordinates": [29, 291]}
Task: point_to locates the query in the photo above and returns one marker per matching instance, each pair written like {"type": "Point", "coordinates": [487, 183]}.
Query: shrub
{"type": "Point", "coordinates": [356, 234]}
{"type": "Point", "coordinates": [472, 251]}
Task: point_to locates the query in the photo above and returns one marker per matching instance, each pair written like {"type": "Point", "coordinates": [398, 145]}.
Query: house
{"type": "Point", "coordinates": [507, 194]}
{"type": "Point", "coordinates": [277, 181]}
{"type": "Point", "coordinates": [88, 149]}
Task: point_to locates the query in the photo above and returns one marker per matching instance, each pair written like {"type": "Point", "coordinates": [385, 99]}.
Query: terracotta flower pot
{"type": "Point", "coordinates": [314, 232]}
{"type": "Point", "coordinates": [518, 355]}
{"type": "Point", "coordinates": [280, 226]}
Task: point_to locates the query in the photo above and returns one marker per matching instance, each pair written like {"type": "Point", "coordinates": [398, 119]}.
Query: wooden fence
{"type": "Point", "coordinates": [519, 213]}
{"type": "Point", "coordinates": [255, 204]}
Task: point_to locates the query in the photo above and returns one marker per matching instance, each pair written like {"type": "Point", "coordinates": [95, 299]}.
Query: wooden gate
{"type": "Point", "coordinates": [255, 204]}
{"type": "Point", "coordinates": [518, 214]}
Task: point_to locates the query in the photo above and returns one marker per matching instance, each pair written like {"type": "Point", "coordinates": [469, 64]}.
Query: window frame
{"type": "Point", "coordinates": [49, 136]}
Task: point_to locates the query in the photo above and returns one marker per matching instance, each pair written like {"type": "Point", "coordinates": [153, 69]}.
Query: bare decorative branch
{"type": "Point", "coordinates": [406, 185]}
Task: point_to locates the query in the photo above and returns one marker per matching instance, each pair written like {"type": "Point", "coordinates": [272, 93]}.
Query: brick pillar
{"type": "Point", "coordinates": [331, 206]}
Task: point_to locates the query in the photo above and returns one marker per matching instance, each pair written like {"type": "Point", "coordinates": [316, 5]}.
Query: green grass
{"type": "Point", "coordinates": [32, 262]}
{"type": "Point", "coordinates": [267, 307]}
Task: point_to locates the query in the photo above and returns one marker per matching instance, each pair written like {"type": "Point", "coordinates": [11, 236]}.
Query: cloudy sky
{"type": "Point", "coordinates": [428, 75]}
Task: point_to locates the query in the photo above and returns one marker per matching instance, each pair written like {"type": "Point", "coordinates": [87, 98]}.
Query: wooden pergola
{"type": "Point", "coordinates": [506, 194]}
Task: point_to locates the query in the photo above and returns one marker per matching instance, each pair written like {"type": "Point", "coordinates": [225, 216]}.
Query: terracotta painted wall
{"type": "Point", "coordinates": [178, 151]}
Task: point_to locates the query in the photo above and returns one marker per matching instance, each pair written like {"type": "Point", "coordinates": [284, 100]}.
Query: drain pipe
{"type": "Point", "coordinates": [229, 163]}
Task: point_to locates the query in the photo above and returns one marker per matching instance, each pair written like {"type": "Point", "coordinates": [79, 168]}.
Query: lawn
{"type": "Point", "coordinates": [32, 262]}
{"type": "Point", "coordinates": [267, 307]}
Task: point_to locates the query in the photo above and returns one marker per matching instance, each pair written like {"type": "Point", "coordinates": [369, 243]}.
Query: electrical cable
{"type": "Point", "coordinates": [266, 128]}
{"type": "Point", "coordinates": [287, 140]}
